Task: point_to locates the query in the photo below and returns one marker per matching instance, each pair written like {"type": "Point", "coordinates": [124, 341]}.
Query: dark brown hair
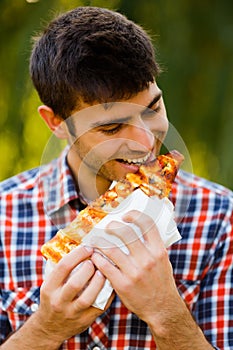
{"type": "Point", "coordinates": [91, 54]}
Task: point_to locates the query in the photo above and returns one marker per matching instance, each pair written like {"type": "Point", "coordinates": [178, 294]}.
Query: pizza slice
{"type": "Point", "coordinates": [159, 175]}
{"type": "Point", "coordinates": [154, 179]}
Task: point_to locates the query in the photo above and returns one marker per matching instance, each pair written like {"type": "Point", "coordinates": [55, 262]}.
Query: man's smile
{"type": "Point", "coordinates": [139, 161]}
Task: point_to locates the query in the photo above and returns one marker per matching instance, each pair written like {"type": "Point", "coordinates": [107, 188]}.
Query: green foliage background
{"type": "Point", "coordinates": [194, 40]}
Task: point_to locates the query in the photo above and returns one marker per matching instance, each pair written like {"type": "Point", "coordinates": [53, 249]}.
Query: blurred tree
{"type": "Point", "coordinates": [195, 48]}
{"type": "Point", "coordinates": [18, 21]}
{"type": "Point", "coordinates": [23, 135]}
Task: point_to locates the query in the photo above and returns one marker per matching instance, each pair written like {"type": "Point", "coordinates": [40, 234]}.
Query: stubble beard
{"type": "Point", "coordinates": [96, 166]}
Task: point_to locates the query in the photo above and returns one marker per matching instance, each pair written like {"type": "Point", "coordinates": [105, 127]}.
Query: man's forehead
{"type": "Point", "coordinates": [115, 112]}
{"type": "Point", "coordinates": [142, 98]}
{"type": "Point", "coordinates": [152, 101]}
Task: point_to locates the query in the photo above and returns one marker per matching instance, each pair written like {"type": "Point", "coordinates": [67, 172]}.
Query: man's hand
{"type": "Point", "coordinates": [144, 281]}
{"type": "Point", "coordinates": [66, 299]}
{"type": "Point", "coordinates": [144, 278]}
{"type": "Point", "coordinates": [65, 304]}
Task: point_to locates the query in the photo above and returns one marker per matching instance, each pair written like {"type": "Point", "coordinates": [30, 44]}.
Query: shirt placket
{"type": "Point", "coordinates": [98, 337]}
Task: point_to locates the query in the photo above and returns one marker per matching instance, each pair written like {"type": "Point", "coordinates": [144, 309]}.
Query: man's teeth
{"type": "Point", "coordinates": [137, 160]}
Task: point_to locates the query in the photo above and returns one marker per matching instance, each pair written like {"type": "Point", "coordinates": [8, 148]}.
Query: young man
{"type": "Point", "coordinates": [95, 72]}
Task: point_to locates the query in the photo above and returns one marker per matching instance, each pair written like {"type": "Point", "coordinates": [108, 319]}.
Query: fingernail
{"type": "Point", "coordinates": [88, 249]}
{"type": "Point", "coordinates": [99, 273]}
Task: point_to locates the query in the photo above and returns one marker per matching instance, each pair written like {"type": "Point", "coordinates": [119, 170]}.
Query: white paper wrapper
{"type": "Point", "coordinates": [160, 210]}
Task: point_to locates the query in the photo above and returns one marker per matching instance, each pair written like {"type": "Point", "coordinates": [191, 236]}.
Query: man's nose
{"type": "Point", "coordinates": [140, 137]}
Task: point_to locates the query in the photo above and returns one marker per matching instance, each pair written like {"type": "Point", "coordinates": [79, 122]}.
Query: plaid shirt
{"type": "Point", "coordinates": [34, 204]}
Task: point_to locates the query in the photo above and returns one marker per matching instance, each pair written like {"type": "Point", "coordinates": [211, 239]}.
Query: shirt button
{"type": "Point", "coordinates": [96, 348]}
{"type": "Point", "coordinates": [34, 307]}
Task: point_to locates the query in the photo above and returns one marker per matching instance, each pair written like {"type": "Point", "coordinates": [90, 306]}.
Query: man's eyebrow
{"type": "Point", "coordinates": [126, 119]}
{"type": "Point", "coordinates": [111, 121]}
{"type": "Point", "coordinates": [155, 99]}
{"type": "Point", "coordinates": [151, 104]}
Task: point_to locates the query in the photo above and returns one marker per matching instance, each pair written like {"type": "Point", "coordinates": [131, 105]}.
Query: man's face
{"type": "Point", "coordinates": [116, 138]}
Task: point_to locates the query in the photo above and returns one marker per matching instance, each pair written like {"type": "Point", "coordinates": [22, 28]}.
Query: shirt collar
{"type": "Point", "coordinates": [57, 184]}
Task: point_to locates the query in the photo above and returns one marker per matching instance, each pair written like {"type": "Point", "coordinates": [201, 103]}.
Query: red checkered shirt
{"type": "Point", "coordinates": [36, 203]}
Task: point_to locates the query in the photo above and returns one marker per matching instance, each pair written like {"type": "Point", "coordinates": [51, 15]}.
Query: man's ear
{"type": "Point", "coordinates": [55, 123]}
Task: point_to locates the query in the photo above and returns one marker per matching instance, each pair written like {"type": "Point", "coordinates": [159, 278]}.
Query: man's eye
{"type": "Point", "coordinates": [150, 113]}
{"type": "Point", "coordinates": [157, 109]}
{"type": "Point", "coordinates": [112, 130]}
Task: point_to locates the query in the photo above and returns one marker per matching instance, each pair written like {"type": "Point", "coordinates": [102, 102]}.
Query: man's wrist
{"type": "Point", "coordinates": [175, 328]}
{"type": "Point", "coordinates": [32, 335]}
{"type": "Point", "coordinates": [42, 329]}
